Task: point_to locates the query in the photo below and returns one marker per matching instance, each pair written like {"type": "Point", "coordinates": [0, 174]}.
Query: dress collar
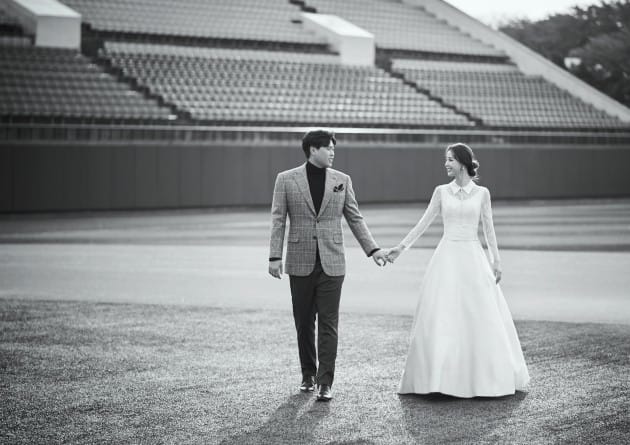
{"type": "Point", "coordinates": [468, 188]}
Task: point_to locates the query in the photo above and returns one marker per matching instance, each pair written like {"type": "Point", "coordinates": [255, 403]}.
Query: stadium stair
{"type": "Point", "coordinates": [93, 50]}
{"type": "Point", "coordinates": [386, 64]}
{"type": "Point", "coordinates": [11, 32]}
{"type": "Point", "coordinates": [303, 6]}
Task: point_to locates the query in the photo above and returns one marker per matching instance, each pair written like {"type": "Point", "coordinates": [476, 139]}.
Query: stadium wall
{"type": "Point", "coordinates": [100, 176]}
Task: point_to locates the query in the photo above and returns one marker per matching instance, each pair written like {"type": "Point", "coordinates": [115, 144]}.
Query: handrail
{"type": "Point", "coordinates": [29, 132]}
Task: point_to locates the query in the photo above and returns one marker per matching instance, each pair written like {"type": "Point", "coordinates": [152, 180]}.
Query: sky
{"type": "Point", "coordinates": [493, 12]}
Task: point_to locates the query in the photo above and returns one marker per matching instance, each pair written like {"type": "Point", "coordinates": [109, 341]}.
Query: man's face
{"type": "Point", "coordinates": [323, 156]}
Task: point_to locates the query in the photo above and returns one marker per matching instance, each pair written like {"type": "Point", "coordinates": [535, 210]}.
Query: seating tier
{"type": "Point", "coordinates": [397, 25]}
{"type": "Point", "coordinates": [59, 83]}
{"type": "Point", "coordinates": [276, 87]}
{"type": "Point", "coordinates": [270, 20]}
{"type": "Point", "coordinates": [501, 96]}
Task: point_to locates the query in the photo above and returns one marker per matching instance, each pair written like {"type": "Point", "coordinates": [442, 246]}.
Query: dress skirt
{"type": "Point", "coordinates": [463, 341]}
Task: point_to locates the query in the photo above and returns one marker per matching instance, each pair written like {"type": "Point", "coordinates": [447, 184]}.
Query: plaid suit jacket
{"type": "Point", "coordinates": [292, 197]}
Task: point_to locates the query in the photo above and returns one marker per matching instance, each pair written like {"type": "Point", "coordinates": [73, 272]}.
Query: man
{"type": "Point", "coordinates": [315, 197]}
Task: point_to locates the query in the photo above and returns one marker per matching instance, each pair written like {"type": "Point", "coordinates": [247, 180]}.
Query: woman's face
{"type": "Point", "coordinates": [451, 164]}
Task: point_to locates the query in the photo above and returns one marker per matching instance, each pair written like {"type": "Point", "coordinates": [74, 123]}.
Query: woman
{"type": "Point", "coordinates": [463, 339]}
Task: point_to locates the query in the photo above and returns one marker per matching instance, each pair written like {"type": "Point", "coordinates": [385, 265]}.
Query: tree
{"type": "Point", "coordinates": [598, 35]}
{"type": "Point", "coordinates": [604, 66]}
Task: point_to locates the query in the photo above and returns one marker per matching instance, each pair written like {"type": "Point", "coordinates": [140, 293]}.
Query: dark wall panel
{"type": "Point", "coordinates": [256, 191]}
{"type": "Point", "coordinates": [576, 175]}
{"type": "Point", "coordinates": [190, 176]}
{"type": "Point", "coordinates": [146, 180]}
{"type": "Point", "coordinates": [37, 178]}
{"type": "Point", "coordinates": [496, 169]}
{"type": "Point", "coordinates": [213, 191]}
{"type": "Point", "coordinates": [230, 175]}
{"type": "Point", "coordinates": [558, 172]}
{"type": "Point", "coordinates": [6, 179]}
{"type": "Point", "coordinates": [167, 175]}
{"type": "Point", "coordinates": [123, 177]}
{"type": "Point", "coordinates": [396, 174]}
{"type": "Point", "coordinates": [599, 172]}
{"type": "Point", "coordinates": [614, 168]}
{"type": "Point", "coordinates": [98, 165]}
{"type": "Point", "coordinates": [72, 166]}
{"type": "Point", "coordinates": [84, 177]}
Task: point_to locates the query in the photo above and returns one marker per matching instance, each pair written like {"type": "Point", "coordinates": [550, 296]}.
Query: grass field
{"type": "Point", "coordinates": [78, 372]}
{"type": "Point", "coordinates": [164, 327]}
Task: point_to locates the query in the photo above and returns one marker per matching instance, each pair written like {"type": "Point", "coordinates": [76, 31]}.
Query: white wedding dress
{"type": "Point", "coordinates": [463, 341]}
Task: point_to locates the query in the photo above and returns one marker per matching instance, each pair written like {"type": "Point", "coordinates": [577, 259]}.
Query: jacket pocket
{"type": "Point", "coordinates": [338, 238]}
{"type": "Point", "coordinates": [293, 238]}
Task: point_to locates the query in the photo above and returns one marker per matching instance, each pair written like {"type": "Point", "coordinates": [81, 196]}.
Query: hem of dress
{"type": "Point", "coordinates": [461, 396]}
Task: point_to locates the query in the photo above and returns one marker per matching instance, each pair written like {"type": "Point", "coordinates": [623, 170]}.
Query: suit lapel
{"type": "Point", "coordinates": [302, 182]}
{"type": "Point", "coordinates": [330, 181]}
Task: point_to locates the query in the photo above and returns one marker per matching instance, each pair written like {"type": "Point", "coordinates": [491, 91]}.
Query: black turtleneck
{"type": "Point", "coordinates": [316, 182]}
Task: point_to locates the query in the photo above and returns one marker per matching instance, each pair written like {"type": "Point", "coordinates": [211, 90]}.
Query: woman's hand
{"type": "Point", "coordinates": [496, 268]}
{"type": "Point", "coordinates": [393, 253]}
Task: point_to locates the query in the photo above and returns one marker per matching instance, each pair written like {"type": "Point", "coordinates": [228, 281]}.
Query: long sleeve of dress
{"type": "Point", "coordinates": [488, 227]}
{"type": "Point", "coordinates": [430, 213]}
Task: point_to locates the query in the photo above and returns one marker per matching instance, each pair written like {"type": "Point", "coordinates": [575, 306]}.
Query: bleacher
{"type": "Point", "coordinates": [400, 26]}
{"type": "Point", "coordinates": [6, 20]}
{"type": "Point", "coordinates": [501, 96]}
{"type": "Point", "coordinates": [269, 20]}
{"type": "Point", "coordinates": [11, 33]}
{"type": "Point", "coordinates": [242, 77]}
{"type": "Point", "coordinates": [273, 87]}
{"type": "Point", "coordinates": [47, 83]}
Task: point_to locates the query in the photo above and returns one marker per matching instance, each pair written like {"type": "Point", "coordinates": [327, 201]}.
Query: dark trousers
{"type": "Point", "coordinates": [316, 297]}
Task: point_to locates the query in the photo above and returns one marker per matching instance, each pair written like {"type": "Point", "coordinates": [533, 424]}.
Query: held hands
{"type": "Point", "coordinates": [275, 269]}
{"type": "Point", "coordinates": [380, 258]}
{"type": "Point", "coordinates": [393, 253]}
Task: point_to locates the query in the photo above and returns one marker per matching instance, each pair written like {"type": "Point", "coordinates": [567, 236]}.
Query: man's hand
{"type": "Point", "coordinates": [275, 269]}
{"type": "Point", "coordinates": [379, 258]}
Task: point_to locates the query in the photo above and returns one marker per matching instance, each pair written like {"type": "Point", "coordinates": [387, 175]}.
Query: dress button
{"type": "Point", "coordinates": [314, 237]}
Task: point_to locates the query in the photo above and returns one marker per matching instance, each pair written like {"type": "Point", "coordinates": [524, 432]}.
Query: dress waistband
{"type": "Point", "coordinates": [460, 238]}
{"type": "Point", "coordinates": [461, 233]}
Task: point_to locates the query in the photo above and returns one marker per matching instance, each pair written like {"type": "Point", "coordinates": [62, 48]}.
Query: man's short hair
{"type": "Point", "coordinates": [317, 139]}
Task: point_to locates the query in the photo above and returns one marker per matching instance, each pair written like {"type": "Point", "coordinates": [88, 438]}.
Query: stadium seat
{"type": "Point", "coordinates": [226, 85]}
{"type": "Point", "coordinates": [401, 26]}
{"type": "Point", "coordinates": [501, 96]}
{"type": "Point", "coordinates": [269, 21]}
{"type": "Point", "coordinates": [60, 83]}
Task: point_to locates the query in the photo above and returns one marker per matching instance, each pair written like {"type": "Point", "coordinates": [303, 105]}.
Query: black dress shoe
{"type": "Point", "coordinates": [308, 384]}
{"type": "Point", "coordinates": [324, 394]}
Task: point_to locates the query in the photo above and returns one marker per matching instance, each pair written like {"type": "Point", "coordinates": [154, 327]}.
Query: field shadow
{"type": "Point", "coordinates": [293, 422]}
{"type": "Point", "coordinates": [439, 418]}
